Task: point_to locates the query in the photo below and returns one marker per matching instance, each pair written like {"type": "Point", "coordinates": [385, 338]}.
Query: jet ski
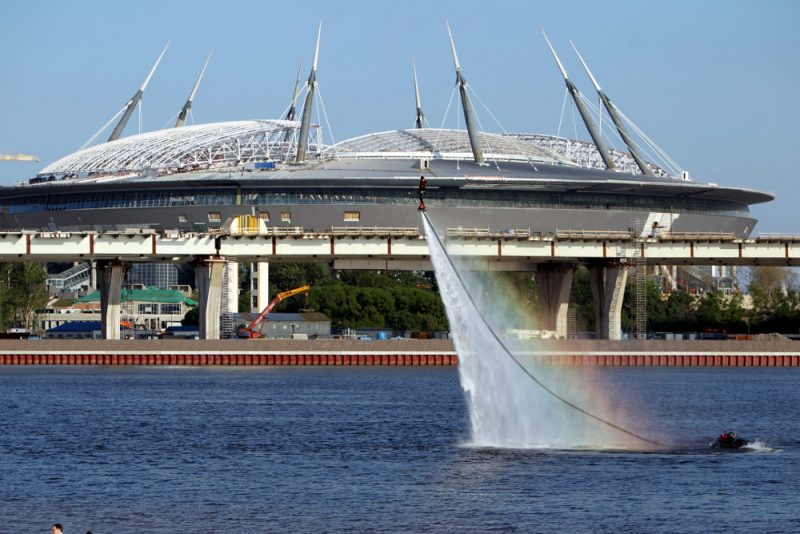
{"type": "Point", "coordinates": [728, 440]}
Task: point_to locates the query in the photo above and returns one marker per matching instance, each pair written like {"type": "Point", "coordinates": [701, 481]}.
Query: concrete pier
{"type": "Point", "coordinates": [111, 276]}
{"type": "Point", "coordinates": [555, 283]}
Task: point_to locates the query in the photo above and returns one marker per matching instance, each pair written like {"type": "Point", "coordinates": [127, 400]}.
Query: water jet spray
{"type": "Point", "coordinates": [430, 232]}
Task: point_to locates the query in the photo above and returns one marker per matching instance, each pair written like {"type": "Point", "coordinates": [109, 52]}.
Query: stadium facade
{"type": "Point", "coordinates": [195, 177]}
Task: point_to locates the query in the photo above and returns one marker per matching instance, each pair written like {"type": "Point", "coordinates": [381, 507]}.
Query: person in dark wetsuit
{"type": "Point", "coordinates": [423, 183]}
{"type": "Point", "coordinates": [727, 438]}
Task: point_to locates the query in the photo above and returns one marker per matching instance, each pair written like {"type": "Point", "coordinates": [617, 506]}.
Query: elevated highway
{"type": "Point", "coordinates": [401, 248]}
{"type": "Point", "coordinates": [551, 257]}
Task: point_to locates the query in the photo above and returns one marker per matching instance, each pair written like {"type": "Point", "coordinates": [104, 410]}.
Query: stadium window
{"type": "Point", "coordinates": [264, 216]}
{"type": "Point", "coordinates": [286, 216]}
{"type": "Point", "coordinates": [182, 218]}
{"type": "Point", "coordinates": [352, 216]}
{"type": "Point", "coordinates": [214, 216]}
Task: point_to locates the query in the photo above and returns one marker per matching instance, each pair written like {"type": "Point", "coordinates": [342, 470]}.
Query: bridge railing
{"type": "Point", "coordinates": [371, 231]}
{"type": "Point", "coordinates": [777, 238]}
{"type": "Point", "coordinates": [696, 236]}
{"type": "Point", "coordinates": [595, 235]}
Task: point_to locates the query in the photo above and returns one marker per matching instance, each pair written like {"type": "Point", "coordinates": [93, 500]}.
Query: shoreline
{"type": "Point", "coordinates": [402, 352]}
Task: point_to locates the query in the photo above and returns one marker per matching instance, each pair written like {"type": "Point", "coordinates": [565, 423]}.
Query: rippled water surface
{"type": "Point", "coordinates": [380, 449]}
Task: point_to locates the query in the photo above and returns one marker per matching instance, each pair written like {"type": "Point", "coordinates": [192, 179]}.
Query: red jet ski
{"type": "Point", "coordinates": [728, 440]}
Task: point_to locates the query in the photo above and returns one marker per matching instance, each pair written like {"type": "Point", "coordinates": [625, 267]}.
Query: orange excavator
{"type": "Point", "coordinates": [252, 330]}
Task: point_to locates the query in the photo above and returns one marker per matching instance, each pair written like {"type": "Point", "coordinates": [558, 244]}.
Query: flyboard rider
{"type": "Point", "coordinates": [423, 183]}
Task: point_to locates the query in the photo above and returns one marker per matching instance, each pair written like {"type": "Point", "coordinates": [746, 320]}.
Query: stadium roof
{"type": "Point", "coordinates": [179, 149]}
{"type": "Point", "coordinates": [435, 143]}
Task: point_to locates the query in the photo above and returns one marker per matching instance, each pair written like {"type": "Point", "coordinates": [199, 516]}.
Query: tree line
{"type": "Point", "coordinates": [410, 301]}
{"type": "Point", "coordinates": [397, 300]}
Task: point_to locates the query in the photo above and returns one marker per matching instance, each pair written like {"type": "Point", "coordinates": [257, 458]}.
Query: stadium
{"type": "Point", "coordinates": [193, 178]}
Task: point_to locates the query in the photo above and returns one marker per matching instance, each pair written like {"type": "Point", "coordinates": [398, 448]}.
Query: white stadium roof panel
{"type": "Point", "coordinates": [441, 144]}
{"type": "Point", "coordinates": [223, 143]}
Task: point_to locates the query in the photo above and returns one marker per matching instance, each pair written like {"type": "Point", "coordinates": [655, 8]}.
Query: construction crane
{"type": "Point", "coordinates": [252, 330]}
{"type": "Point", "coordinates": [18, 157]}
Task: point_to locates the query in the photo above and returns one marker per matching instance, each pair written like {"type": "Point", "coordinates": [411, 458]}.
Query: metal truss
{"type": "Point", "coordinates": [175, 150]}
{"type": "Point", "coordinates": [434, 143]}
{"type": "Point", "coordinates": [585, 154]}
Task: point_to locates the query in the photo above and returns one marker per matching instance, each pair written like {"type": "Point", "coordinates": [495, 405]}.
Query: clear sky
{"type": "Point", "coordinates": [710, 81]}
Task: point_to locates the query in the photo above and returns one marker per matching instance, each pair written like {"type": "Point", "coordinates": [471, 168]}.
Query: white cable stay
{"type": "Point", "coordinates": [563, 108]}
{"type": "Point", "coordinates": [293, 102]}
{"type": "Point", "coordinates": [444, 118]}
{"type": "Point", "coordinates": [327, 122]}
{"type": "Point", "coordinates": [106, 125]}
{"type": "Point", "coordinates": [617, 137]}
{"type": "Point", "coordinates": [660, 155]}
{"type": "Point", "coordinates": [652, 143]}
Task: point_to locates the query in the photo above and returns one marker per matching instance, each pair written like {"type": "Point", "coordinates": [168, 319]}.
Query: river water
{"type": "Point", "coordinates": [381, 449]}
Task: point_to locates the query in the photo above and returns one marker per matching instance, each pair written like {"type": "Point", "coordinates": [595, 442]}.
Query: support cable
{"type": "Point", "coordinates": [563, 108]}
{"type": "Point", "coordinates": [327, 122]}
{"type": "Point", "coordinates": [660, 155]}
{"type": "Point", "coordinates": [106, 125]}
{"type": "Point", "coordinates": [650, 142]}
{"type": "Point", "coordinates": [520, 365]}
{"type": "Point", "coordinates": [446, 112]}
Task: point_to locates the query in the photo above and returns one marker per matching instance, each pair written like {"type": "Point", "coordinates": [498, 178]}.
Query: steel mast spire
{"type": "Point", "coordinates": [306, 119]}
{"type": "Point", "coordinates": [188, 105]}
{"type": "Point", "coordinates": [420, 120]}
{"type": "Point", "coordinates": [467, 105]}
{"type": "Point", "coordinates": [612, 111]}
{"type": "Point", "coordinates": [135, 99]}
{"type": "Point", "coordinates": [587, 119]}
{"type": "Point", "coordinates": [292, 113]}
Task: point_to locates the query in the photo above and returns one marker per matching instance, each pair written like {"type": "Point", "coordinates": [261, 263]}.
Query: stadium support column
{"type": "Point", "coordinates": [608, 289]}
{"type": "Point", "coordinates": [555, 284]}
{"type": "Point", "coordinates": [208, 274]}
{"type": "Point", "coordinates": [111, 276]}
{"type": "Point", "coordinates": [259, 286]}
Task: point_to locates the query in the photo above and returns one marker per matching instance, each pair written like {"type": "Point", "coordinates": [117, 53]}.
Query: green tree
{"type": "Point", "coordinates": [582, 300]}
{"type": "Point", "coordinates": [710, 310]}
{"type": "Point", "coordinates": [192, 317]}
{"type": "Point", "coordinates": [679, 313]}
{"type": "Point", "coordinates": [734, 316]}
{"type": "Point", "coordinates": [23, 288]}
{"type": "Point", "coordinates": [286, 276]}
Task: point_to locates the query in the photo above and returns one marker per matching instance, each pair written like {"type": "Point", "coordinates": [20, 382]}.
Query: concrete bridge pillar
{"type": "Point", "coordinates": [608, 289]}
{"type": "Point", "coordinates": [259, 286]}
{"type": "Point", "coordinates": [230, 302]}
{"type": "Point", "coordinates": [111, 276]}
{"type": "Point", "coordinates": [554, 282]}
{"type": "Point", "coordinates": [208, 274]}
{"type": "Point", "coordinates": [92, 274]}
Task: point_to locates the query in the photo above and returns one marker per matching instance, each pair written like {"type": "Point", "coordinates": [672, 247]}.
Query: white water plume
{"type": "Point", "coordinates": [507, 407]}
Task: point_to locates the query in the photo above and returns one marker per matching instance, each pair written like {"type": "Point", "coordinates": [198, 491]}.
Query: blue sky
{"type": "Point", "coordinates": [712, 82]}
